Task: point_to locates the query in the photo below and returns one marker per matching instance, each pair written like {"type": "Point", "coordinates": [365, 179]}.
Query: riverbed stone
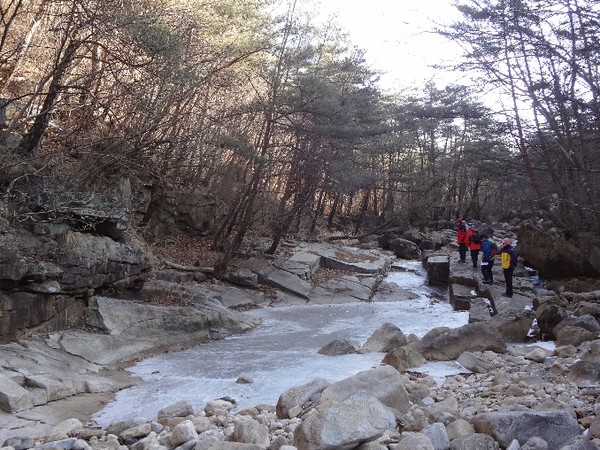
{"type": "Point", "coordinates": [183, 432]}
{"type": "Point", "coordinates": [403, 358]}
{"type": "Point", "coordinates": [555, 427]}
{"type": "Point", "coordinates": [299, 395]}
{"type": "Point", "coordinates": [365, 419]}
{"type": "Point", "coordinates": [461, 296]}
{"type": "Point", "coordinates": [438, 270]}
{"type": "Point", "coordinates": [181, 408]}
{"type": "Point", "coordinates": [250, 431]}
{"type": "Point", "coordinates": [13, 397]}
{"type": "Point", "coordinates": [218, 407]}
{"type": "Point", "coordinates": [448, 344]}
{"type": "Point", "coordinates": [338, 347]}
{"type": "Point", "coordinates": [384, 382]}
{"type": "Point", "coordinates": [387, 337]}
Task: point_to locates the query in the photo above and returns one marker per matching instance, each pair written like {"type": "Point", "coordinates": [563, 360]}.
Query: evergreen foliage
{"type": "Point", "coordinates": [282, 122]}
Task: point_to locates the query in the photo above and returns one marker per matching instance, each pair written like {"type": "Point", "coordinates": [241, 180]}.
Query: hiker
{"type": "Point", "coordinates": [508, 258]}
{"type": "Point", "coordinates": [489, 250]}
{"type": "Point", "coordinates": [461, 240]}
{"type": "Point", "coordinates": [474, 244]}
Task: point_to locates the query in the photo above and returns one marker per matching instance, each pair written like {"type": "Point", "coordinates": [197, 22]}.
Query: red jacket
{"type": "Point", "coordinates": [472, 245]}
{"type": "Point", "coordinates": [461, 234]}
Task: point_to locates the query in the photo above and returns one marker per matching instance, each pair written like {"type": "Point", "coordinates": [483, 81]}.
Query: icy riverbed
{"type": "Point", "coordinates": [282, 352]}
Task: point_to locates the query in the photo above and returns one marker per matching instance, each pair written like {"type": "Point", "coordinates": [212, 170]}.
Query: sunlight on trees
{"type": "Point", "coordinates": [545, 54]}
{"type": "Point", "coordinates": [281, 123]}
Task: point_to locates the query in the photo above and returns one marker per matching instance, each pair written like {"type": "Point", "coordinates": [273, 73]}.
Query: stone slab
{"type": "Point", "coordinates": [351, 259]}
{"type": "Point", "coordinates": [461, 297]}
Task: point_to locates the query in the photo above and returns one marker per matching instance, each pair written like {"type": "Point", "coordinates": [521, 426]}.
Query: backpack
{"type": "Point", "coordinates": [476, 238]}
{"type": "Point", "coordinates": [494, 250]}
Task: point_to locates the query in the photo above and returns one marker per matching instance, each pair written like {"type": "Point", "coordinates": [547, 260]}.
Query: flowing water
{"type": "Point", "coordinates": [282, 351]}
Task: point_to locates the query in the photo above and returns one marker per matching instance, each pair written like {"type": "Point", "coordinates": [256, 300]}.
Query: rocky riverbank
{"type": "Point", "coordinates": [511, 397]}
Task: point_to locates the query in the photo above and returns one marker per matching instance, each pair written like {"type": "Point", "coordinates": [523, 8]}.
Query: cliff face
{"type": "Point", "coordinates": [555, 256]}
{"type": "Point", "coordinates": [47, 277]}
{"type": "Point", "coordinates": [59, 246]}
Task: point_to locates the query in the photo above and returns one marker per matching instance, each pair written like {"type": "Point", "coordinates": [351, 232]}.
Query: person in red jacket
{"type": "Point", "coordinates": [461, 240]}
{"type": "Point", "coordinates": [474, 239]}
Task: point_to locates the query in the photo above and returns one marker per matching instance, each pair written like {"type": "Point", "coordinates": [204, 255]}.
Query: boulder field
{"type": "Point", "coordinates": [510, 396]}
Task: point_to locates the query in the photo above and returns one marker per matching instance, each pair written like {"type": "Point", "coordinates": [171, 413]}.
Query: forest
{"type": "Point", "coordinates": [280, 121]}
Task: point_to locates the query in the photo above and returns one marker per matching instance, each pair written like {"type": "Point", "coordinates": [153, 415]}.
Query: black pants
{"type": "Point", "coordinates": [486, 270]}
{"type": "Point", "coordinates": [508, 278]}
{"type": "Point", "coordinates": [474, 257]}
{"type": "Point", "coordinates": [462, 251]}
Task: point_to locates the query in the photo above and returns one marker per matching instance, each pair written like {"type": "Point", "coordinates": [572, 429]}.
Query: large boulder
{"type": "Point", "coordinates": [513, 326]}
{"type": "Point", "coordinates": [555, 427]}
{"type": "Point", "coordinates": [387, 337]}
{"type": "Point", "coordinates": [92, 261]}
{"type": "Point", "coordinates": [345, 424]}
{"type": "Point", "coordinates": [403, 358]}
{"type": "Point", "coordinates": [405, 249]}
{"type": "Point", "coordinates": [448, 344]}
{"type": "Point", "coordinates": [553, 256]}
{"type": "Point", "coordinates": [384, 382]}
{"type": "Point", "coordinates": [297, 396]}
{"type": "Point", "coordinates": [549, 314]}
{"type": "Point", "coordinates": [438, 269]}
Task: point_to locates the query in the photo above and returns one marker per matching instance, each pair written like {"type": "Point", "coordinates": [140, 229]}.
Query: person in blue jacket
{"type": "Point", "coordinates": [508, 258]}
{"type": "Point", "coordinates": [489, 250]}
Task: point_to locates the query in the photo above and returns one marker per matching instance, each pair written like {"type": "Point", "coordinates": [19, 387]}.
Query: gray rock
{"type": "Point", "coordinates": [555, 427]}
{"type": "Point", "coordinates": [385, 383]}
{"type": "Point", "coordinates": [548, 315]}
{"type": "Point", "coordinates": [285, 281]}
{"type": "Point", "coordinates": [445, 411]}
{"type": "Point", "coordinates": [243, 277]}
{"type": "Point", "coordinates": [299, 395]}
{"type": "Point", "coordinates": [579, 443]}
{"type": "Point", "coordinates": [411, 441]}
{"type": "Point", "coordinates": [474, 363]}
{"type": "Point", "coordinates": [449, 344]}
{"type": "Point", "coordinates": [459, 428]}
{"type": "Point", "coordinates": [405, 249]}
{"type": "Point", "coordinates": [116, 428]}
{"type": "Point", "coordinates": [476, 441]}
{"type": "Point", "coordinates": [136, 432]}
{"type": "Point", "coordinates": [218, 407]}
{"type": "Point", "coordinates": [461, 296]}
{"type": "Point", "coordinates": [338, 347]}
{"type": "Point", "coordinates": [513, 326]}
{"type": "Point", "coordinates": [585, 321]}
{"type": "Point", "coordinates": [250, 431]}
{"type": "Point", "coordinates": [585, 372]}
{"type": "Point", "coordinates": [66, 444]}
{"type": "Point", "coordinates": [181, 408]}
{"type": "Point", "coordinates": [480, 310]}
{"type": "Point", "coordinates": [438, 436]}
{"type": "Point", "coordinates": [535, 443]}
{"type": "Point", "coordinates": [403, 358]}
{"type": "Point", "coordinates": [365, 419]}
{"type": "Point", "coordinates": [68, 427]}
{"type": "Point", "coordinates": [350, 259]}
{"type": "Point", "coordinates": [55, 388]}
{"type": "Point", "coordinates": [18, 443]}
{"type": "Point", "coordinates": [183, 432]}
{"type": "Point", "coordinates": [387, 337]}
{"type": "Point", "coordinates": [13, 397]}
{"type": "Point", "coordinates": [438, 269]}
{"type": "Point", "coordinates": [573, 335]}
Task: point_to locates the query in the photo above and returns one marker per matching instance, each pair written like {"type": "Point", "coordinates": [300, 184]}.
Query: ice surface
{"type": "Point", "coordinates": [282, 352]}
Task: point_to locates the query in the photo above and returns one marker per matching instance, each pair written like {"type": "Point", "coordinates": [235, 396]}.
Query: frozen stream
{"type": "Point", "coordinates": [280, 353]}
